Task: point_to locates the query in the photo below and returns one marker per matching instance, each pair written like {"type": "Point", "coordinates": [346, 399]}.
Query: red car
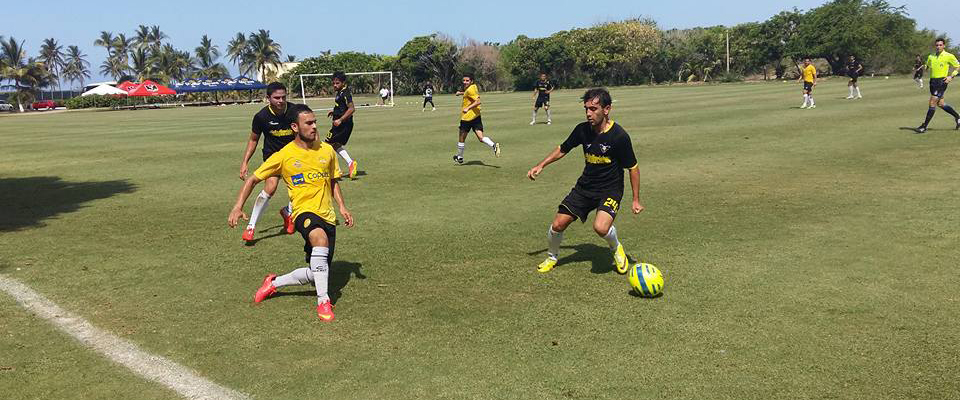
{"type": "Point", "coordinates": [47, 104]}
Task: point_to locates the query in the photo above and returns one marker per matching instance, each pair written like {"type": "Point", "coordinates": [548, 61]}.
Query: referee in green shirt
{"type": "Point", "coordinates": [940, 75]}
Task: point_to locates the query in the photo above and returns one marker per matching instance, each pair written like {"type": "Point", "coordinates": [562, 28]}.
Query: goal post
{"type": "Point", "coordinates": [317, 91]}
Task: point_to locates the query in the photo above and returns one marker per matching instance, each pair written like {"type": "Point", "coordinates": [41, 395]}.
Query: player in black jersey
{"type": "Point", "coordinates": [918, 67]}
{"type": "Point", "coordinates": [854, 68]}
{"type": "Point", "coordinates": [342, 115]}
{"type": "Point", "coordinates": [541, 92]}
{"type": "Point", "coordinates": [273, 123]}
{"type": "Point", "coordinates": [608, 151]}
{"type": "Point", "coordinates": [428, 97]}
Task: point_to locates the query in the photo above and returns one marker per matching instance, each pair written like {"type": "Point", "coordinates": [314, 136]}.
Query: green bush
{"type": "Point", "coordinates": [99, 101]}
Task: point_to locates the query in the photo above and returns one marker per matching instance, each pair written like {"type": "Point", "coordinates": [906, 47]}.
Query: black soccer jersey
{"type": "Point", "coordinates": [917, 65]}
{"type": "Point", "coordinates": [543, 87]}
{"type": "Point", "coordinates": [852, 67]}
{"type": "Point", "coordinates": [428, 91]}
{"type": "Point", "coordinates": [340, 103]}
{"type": "Point", "coordinates": [275, 128]}
{"type": "Point", "coordinates": [606, 154]}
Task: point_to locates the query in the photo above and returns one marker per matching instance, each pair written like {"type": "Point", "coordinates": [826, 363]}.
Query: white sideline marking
{"type": "Point", "coordinates": [154, 368]}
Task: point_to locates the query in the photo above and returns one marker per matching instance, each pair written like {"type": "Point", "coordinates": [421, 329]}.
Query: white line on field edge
{"type": "Point", "coordinates": [174, 376]}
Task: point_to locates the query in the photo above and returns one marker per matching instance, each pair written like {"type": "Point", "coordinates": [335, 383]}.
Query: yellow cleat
{"type": "Point", "coordinates": [547, 265]}
{"type": "Point", "coordinates": [620, 257]}
{"type": "Point", "coordinates": [352, 168]}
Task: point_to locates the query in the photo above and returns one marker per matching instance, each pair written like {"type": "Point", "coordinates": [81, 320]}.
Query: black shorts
{"type": "Point", "coordinates": [918, 74]}
{"type": "Point", "coordinates": [427, 100]}
{"type": "Point", "coordinates": [938, 86]}
{"type": "Point", "coordinates": [476, 124]}
{"type": "Point", "coordinates": [579, 203]}
{"type": "Point", "coordinates": [808, 86]}
{"type": "Point", "coordinates": [542, 101]}
{"type": "Point", "coordinates": [341, 134]}
{"type": "Point", "coordinates": [307, 222]}
{"type": "Point", "coordinates": [853, 76]}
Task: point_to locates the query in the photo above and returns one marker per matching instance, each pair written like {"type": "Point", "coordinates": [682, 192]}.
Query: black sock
{"type": "Point", "coordinates": [930, 112]}
{"type": "Point", "coordinates": [947, 108]}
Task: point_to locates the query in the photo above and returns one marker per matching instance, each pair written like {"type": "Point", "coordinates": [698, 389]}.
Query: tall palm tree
{"type": "Point", "coordinates": [51, 55]}
{"type": "Point", "coordinates": [76, 66]}
{"type": "Point", "coordinates": [156, 37]}
{"type": "Point", "coordinates": [238, 50]}
{"type": "Point", "coordinates": [264, 51]}
{"type": "Point", "coordinates": [140, 63]}
{"type": "Point", "coordinates": [143, 38]}
{"type": "Point", "coordinates": [114, 67]}
{"type": "Point", "coordinates": [106, 41]}
{"type": "Point", "coordinates": [171, 64]}
{"type": "Point", "coordinates": [206, 58]}
{"type": "Point", "coordinates": [27, 74]}
{"type": "Point", "coordinates": [121, 47]}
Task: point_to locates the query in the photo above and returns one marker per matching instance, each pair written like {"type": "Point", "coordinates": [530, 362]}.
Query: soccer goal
{"type": "Point", "coordinates": [316, 90]}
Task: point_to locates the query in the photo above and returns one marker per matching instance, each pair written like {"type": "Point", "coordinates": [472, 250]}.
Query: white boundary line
{"type": "Point", "coordinates": [174, 376]}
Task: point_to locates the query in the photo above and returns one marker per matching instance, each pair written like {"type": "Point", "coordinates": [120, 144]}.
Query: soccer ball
{"type": "Point", "coordinates": [645, 279]}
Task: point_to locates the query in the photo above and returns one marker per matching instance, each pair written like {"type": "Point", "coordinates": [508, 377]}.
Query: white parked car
{"type": "Point", "coordinates": [4, 106]}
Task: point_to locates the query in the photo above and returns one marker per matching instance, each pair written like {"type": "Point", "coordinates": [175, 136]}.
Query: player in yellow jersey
{"type": "Point", "coordinates": [940, 65]}
{"type": "Point", "coordinates": [470, 118]}
{"type": "Point", "coordinates": [309, 168]}
{"type": "Point", "coordinates": [809, 79]}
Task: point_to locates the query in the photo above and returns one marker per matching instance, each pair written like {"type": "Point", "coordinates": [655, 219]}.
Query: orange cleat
{"type": "Point", "coordinates": [287, 221]}
{"type": "Point", "coordinates": [325, 311]}
{"type": "Point", "coordinates": [266, 289]}
{"type": "Point", "coordinates": [247, 234]}
{"type": "Point", "coordinates": [352, 168]}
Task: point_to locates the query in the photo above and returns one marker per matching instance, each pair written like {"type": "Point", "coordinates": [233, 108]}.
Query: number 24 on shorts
{"type": "Point", "coordinates": [612, 203]}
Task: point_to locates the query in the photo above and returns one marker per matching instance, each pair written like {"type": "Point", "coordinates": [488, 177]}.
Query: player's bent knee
{"type": "Point", "coordinates": [318, 238]}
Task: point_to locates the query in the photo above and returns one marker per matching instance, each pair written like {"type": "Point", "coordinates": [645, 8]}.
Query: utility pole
{"type": "Point", "coordinates": [728, 51]}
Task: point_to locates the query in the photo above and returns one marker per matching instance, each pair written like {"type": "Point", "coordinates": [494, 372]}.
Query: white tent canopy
{"type": "Point", "coordinates": [103, 90]}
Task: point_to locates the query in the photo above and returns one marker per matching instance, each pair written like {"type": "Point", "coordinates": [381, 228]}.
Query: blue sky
{"type": "Point", "coordinates": [306, 28]}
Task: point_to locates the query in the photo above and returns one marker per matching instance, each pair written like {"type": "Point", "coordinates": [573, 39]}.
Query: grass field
{"type": "Point", "coordinates": [808, 254]}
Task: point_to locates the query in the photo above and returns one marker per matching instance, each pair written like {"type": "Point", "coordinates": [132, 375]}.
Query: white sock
{"type": "Point", "coordinates": [851, 91]}
{"type": "Point", "coordinates": [534, 116]}
{"type": "Point", "coordinates": [258, 205]}
{"type": "Point", "coordinates": [346, 156]}
{"type": "Point", "coordinates": [806, 99]}
{"type": "Point", "coordinates": [858, 92]}
{"type": "Point", "coordinates": [487, 141]}
{"type": "Point", "coordinates": [612, 239]}
{"type": "Point", "coordinates": [553, 242]}
{"type": "Point", "coordinates": [321, 272]}
{"type": "Point", "coordinates": [289, 208]}
{"type": "Point", "coordinates": [548, 115]}
{"type": "Point", "coordinates": [460, 147]}
{"type": "Point", "coordinates": [299, 276]}
{"type": "Point", "coordinates": [812, 103]}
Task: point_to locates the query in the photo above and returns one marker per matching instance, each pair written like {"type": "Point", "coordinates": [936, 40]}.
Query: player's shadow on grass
{"type": "Point", "coordinates": [28, 202]}
{"type": "Point", "coordinates": [340, 275]}
{"type": "Point", "coordinates": [601, 259]}
{"type": "Point", "coordinates": [279, 232]}
{"type": "Point", "coordinates": [480, 163]}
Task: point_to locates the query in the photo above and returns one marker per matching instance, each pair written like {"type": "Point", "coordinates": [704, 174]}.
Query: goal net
{"type": "Point", "coordinates": [316, 90]}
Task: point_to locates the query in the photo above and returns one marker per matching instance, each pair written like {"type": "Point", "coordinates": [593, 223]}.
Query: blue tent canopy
{"type": "Point", "coordinates": [217, 85]}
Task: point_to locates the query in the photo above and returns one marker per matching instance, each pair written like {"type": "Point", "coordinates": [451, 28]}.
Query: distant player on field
{"type": "Point", "coordinates": [342, 115]}
{"type": "Point", "coordinates": [541, 94]}
{"type": "Point", "coordinates": [918, 67]}
{"type": "Point", "coordinates": [809, 79]}
{"type": "Point", "coordinates": [940, 65]}
{"type": "Point", "coordinates": [428, 97]}
{"type": "Point", "coordinates": [384, 95]}
{"type": "Point", "coordinates": [310, 170]}
{"type": "Point", "coordinates": [273, 123]}
{"type": "Point", "coordinates": [470, 118]}
{"type": "Point", "coordinates": [854, 68]}
{"type": "Point", "coordinates": [607, 151]}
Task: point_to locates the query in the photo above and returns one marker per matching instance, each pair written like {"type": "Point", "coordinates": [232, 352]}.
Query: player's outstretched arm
{"type": "Point", "coordinates": [251, 147]}
{"type": "Point", "coordinates": [635, 186]}
{"type": "Point", "coordinates": [554, 155]}
{"type": "Point", "coordinates": [338, 196]}
{"type": "Point", "coordinates": [237, 212]}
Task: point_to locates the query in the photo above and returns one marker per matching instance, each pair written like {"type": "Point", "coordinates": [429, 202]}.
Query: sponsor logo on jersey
{"type": "Point", "coordinates": [595, 159]}
{"type": "Point", "coordinates": [297, 164]}
{"type": "Point", "coordinates": [297, 179]}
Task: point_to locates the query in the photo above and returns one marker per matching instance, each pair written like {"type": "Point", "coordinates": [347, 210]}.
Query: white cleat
{"type": "Point", "coordinates": [549, 122]}
{"type": "Point", "coordinates": [533, 122]}
{"type": "Point", "coordinates": [803, 106]}
{"type": "Point", "coordinates": [849, 97]}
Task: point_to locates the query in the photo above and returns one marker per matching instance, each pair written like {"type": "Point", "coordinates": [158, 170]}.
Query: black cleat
{"type": "Point", "coordinates": [920, 129]}
{"type": "Point", "coordinates": [458, 160]}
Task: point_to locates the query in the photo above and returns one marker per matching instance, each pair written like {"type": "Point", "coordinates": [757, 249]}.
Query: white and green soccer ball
{"type": "Point", "coordinates": [645, 279]}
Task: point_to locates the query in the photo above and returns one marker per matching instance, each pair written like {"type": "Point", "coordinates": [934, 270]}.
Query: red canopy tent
{"type": "Point", "coordinates": [127, 86]}
{"type": "Point", "coordinates": [150, 88]}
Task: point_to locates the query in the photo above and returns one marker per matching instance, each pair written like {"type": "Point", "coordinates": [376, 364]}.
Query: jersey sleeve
{"type": "Point", "coordinates": [550, 85]}
{"type": "Point", "coordinates": [625, 155]}
{"type": "Point", "coordinates": [572, 141]}
{"type": "Point", "coordinates": [953, 62]}
{"type": "Point", "coordinates": [256, 127]}
{"type": "Point", "coordinates": [473, 93]}
{"type": "Point", "coordinates": [271, 167]}
{"type": "Point", "coordinates": [347, 96]}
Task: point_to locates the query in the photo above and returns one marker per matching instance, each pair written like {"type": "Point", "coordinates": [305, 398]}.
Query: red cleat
{"type": "Point", "coordinates": [325, 311]}
{"type": "Point", "coordinates": [266, 289]}
{"type": "Point", "coordinates": [287, 221]}
{"type": "Point", "coordinates": [247, 234]}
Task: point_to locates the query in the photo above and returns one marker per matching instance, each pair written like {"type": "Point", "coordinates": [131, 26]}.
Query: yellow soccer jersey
{"type": "Point", "coordinates": [308, 174]}
{"type": "Point", "coordinates": [470, 95]}
{"type": "Point", "coordinates": [809, 72]}
{"type": "Point", "coordinates": [939, 65]}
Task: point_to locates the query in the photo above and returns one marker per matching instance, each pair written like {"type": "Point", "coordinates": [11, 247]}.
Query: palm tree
{"type": "Point", "coordinates": [114, 67]}
{"type": "Point", "coordinates": [143, 39]}
{"type": "Point", "coordinates": [121, 47]}
{"type": "Point", "coordinates": [238, 50]}
{"type": "Point", "coordinates": [27, 74]}
{"type": "Point", "coordinates": [76, 67]}
{"type": "Point", "coordinates": [171, 64]}
{"type": "Point", "coordinates": [140, 63]}
{"type": "Point", "coordinates": [52, 58]}
{"type": "Point", "coordinates": [156, 37]}
{"type": "Point", "coordinates": [263, 52]}
{"type": "Point", "coordinates": [206, 57]}
{"type": "Point", "coordinates": [105, 41]}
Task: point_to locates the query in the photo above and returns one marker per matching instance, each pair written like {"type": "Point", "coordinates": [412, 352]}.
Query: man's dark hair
{"type": "Point", "coordinates": [940, 40]}
{"type": "Point", "coordinates": [340, 76]}
{"type": "Point", "coordinates": [469, 76]}
{"type": "Point", "coordinates": [298, 109]}
{"type": "Point", "coordinates": [275, 86]}
{"type": "Point", "coordinates": [600, 94]}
